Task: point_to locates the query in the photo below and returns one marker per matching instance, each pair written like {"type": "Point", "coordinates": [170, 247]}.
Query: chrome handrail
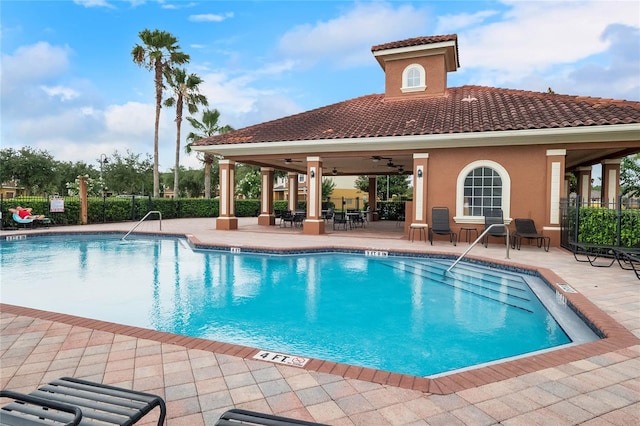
{"type": "Point", "coordinates": [142, 220]}
{"type": "Point", "coordinates": [480, 238]}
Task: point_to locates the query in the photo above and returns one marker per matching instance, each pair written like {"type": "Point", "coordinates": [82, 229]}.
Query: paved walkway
{"type": "Point", "coordinates": [589, 384]}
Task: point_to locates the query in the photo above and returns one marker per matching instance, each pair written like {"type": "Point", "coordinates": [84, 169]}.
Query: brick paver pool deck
{"type": "Point", "coordinates": [595, 383]}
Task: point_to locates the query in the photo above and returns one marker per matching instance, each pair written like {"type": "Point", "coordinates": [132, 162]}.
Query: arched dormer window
{"type": "Point", "coordinates": [482, 185]}
{"type": "Point", "coordinates": [414, 79]}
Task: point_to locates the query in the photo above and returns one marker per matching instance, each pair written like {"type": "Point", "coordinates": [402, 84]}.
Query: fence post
{"type": "Point", "coordinates": [619, 225]}
{"type": "Point", "coordinates": [82, 191]}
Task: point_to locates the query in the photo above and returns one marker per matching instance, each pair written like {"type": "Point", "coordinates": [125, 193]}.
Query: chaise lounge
{"type": "Point", "coordinates": [526, 230]}
{"type": "Point", "coordinates": [71, 401]}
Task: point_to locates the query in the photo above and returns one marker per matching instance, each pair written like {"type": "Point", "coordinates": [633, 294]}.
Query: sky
{"type": "Point", "coordinates": [69, 85]}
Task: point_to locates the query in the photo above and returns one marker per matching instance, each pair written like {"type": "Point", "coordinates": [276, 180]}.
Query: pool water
{"type": "Point", "coordinates": [397, 314]}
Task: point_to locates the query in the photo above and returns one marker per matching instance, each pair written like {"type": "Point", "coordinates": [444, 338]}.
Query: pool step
{"type": "Point", "coordinates": [504, 290]}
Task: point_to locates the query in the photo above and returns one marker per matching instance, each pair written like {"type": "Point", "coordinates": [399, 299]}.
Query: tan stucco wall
{"type": "Point", "coordinates": [436, 77]}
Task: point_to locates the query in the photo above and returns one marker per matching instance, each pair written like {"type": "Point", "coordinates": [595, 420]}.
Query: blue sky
{"type": "Point", "coordinates": [70, 87]}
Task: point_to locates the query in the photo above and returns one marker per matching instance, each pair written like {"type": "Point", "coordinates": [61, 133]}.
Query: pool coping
{"type": "Point", "coordinates": [614, 336]}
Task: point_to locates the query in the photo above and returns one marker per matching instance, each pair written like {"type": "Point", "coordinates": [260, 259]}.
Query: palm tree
{"type": "Point", "coordinates": [159, 53]}
{"type": "Point", "coordinates": [185, 92]}
{"type": "Point", "coordinates": [208, 127]}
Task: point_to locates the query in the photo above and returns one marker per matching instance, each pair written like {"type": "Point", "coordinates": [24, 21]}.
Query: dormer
{"type": "Point", "coordinates": [417, 66]}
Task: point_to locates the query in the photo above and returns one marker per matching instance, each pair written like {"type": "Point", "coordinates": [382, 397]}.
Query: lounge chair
{"type": "Point", "coordinates": [526, 229]}
{"type": "Point", "coordinates": [440, 224]}
{"type": "Point", "coordinates": [491, 217]}
{"type": "Point", "coordinates": [25, 223]}
{"type": "Point", "coordinates": [599, 255]}
{"type": "Point", "coordinates": [71, 401]}
{"type": "Point", "coordinates": [237, 416]}
{"type": "Point", "coordinates": [629, 259]}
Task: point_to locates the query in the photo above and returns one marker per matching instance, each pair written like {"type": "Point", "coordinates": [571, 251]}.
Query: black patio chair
{"type": "Point", "coordinates": [440, 224]}
{"type": "Point", "coordinates": [526, 230]}
{"type": "Point", "coordinates": [238, 416]}
{"type": "Point", "coordinates": [287, 217]}
{"type": "Point", "coordinates": [492, 217]}
{"type": "Point", "coordinates": [340, 219]}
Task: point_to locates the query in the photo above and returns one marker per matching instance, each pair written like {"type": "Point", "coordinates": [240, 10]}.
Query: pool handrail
{"type": "Point", "coordinates": [142, 220]}
{"type": "Point", "coordinates": [508, 242]}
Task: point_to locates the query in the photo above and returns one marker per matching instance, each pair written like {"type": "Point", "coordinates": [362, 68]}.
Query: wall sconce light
{"type": "Point", "coordinates": [313, 174]}
{"type": "Point", "coordinates": [335, 171]}
{"type": "Point", "coordinates": [419, 173]}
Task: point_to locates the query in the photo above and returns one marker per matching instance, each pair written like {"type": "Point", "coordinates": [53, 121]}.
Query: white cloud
{"type": "Point", "coordinates": [346, 41]}
{"type": "Point", "coordinates": [210, 17]}
{"type": "Point", "coordinates": [93, 3]}
{"type": "Point", "coordinates": [448, 24]}
{"type": "Point", "coordinates": [26, 64]}
{"type": "Point", "coordinates": [64, 93]}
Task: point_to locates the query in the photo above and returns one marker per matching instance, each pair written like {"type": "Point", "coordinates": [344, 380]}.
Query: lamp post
{"type": "Point", "coordinates": [103, 160]}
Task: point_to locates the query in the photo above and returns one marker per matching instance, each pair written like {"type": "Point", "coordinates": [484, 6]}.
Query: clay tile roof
{"type": "Point", "coordinates": [463, 109]}
{"type": "Point", "coordinates": [416, 41]}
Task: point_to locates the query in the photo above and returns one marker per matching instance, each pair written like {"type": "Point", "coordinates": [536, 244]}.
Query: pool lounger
{"type": "Point", "coordinates": [237, 417]}
{"type": "Point", "coordinates": [70, 401]}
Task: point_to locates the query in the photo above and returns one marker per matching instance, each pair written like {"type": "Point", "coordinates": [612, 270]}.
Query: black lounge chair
{"type": "Point", "coordinates": [526, 230]}
{"type": "Point", "coordinates": [598, 255]}
{"type": "Point", "coordinates": [629, 258]}
{"type": "Point", "coordinates": [440, 224]}
{"type": "Point", "coordinates": [237, 417]}
{"type": "Point", "coordinates": [492, 217]}
{"type": "Point", "coordinates": [71, 401]}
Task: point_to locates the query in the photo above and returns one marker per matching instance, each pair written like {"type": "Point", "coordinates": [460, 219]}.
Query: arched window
{"type": "Point", "coordinates": [414, 78]}
{"type": "Point", "coordinates": [482, 185]}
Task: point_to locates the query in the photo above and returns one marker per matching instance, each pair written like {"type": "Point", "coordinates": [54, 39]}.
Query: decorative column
{"type": "Point", "coordinates": [555, 184]}
{"type": "Point", "coordinates": [266, 218]}
{"type": "Point", "coordinates": [610, 183]}
{"type": "Point", "coordinates": [227, 220]}
{"type": "Point", "coordinates": [314, 223]}
{"type": "Point", "coordinates": [584, 184]}
{"type": "Point", "coordinates": [84, 201]}
{"type": "Point", "coordinates": [418, 218]}
{"type": "Point", "coordinates": [373, 197]}
{"type": "Point", "coordinates": [293, 191]}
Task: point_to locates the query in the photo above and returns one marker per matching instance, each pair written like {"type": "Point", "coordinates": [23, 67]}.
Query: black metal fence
{"type": "Point", "coordinates": [595, 222]}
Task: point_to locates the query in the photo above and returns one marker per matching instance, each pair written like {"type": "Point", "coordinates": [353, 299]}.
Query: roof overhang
{"type": "Point", "coordinates": [448, 48]}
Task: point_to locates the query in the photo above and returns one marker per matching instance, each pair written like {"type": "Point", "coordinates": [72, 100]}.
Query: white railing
{"type": "Point", "coordinates": [142, 220]}
{"type": "Point", "coordinates": [508, 242]}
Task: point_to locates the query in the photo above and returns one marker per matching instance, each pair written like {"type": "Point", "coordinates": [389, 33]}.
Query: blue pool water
{"type": "Point", "coordinates": [397, 314]}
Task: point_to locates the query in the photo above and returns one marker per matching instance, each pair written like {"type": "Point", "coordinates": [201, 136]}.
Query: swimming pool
{"type": "Point", "coordinates": [391, 313]}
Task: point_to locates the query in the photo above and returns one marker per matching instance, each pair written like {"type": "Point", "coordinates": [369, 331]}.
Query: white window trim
{"type": "Point", "coordinates": [423, 79]}
{"type": "Point", "coordinates": [506, 192]}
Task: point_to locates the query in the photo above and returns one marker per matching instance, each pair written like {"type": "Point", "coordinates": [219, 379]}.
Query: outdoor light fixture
{"type": "Point", "coordinates": [313, 174]}
{"type": "Point", "coordinates": [335, 171]}
{"type": "Point", "coordinates": [419, 173]}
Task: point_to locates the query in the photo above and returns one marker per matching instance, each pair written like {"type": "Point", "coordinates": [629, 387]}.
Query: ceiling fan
{"type": "Point", "coordinates": [289, 161]}
{"type": "Point", "coordinates": [377, 158]}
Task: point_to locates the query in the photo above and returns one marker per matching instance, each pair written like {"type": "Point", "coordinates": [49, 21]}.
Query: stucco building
{"type": "Point", "coordinates": [468, 148]}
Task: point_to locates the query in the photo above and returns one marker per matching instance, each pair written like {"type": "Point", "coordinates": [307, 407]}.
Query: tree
{"type": "Point", "coordinates": [185, 92]}
{"type": "Point", "coordinates": [203, 129]}
{"type": "Point", "coordinates": [328, 185]}
{"type": "Point", "coordinates": [159, 53]}
{"type": "Point", "coordinates": [248, 180]}
{"type": "Point", "coordinates": [34, 170]}
{"type": "Point", "coordinates": [128, 174]}
{"type": "Point", "coordinates": [630, 176]}
{"type": "Point", "coordinates": [387, 186]}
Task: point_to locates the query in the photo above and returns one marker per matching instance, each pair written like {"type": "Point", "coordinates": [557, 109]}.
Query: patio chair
{"type": "Point", "coordinates": [286, 217]}
{"type": "Point", "coordinates": [491, 217]}
{"type": "Point", "coordinates": [340, 219]}
{"type": "Point", "coordinates": [71, 401]}
{"type": "Point", "coordinates": [526, 229]}
{"type": "Point", "coordinates": [440, 224]}
{"type": "Point", "coordinates": [298, 219]}
{"type": "Point", "coordinates": [20, 222]}
{"type": "Point", "coordinates": [237, 417]}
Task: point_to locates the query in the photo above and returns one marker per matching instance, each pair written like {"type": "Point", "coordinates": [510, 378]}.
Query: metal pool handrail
{"type": "Point", "coordinates": [142, 220]}
{"type": "Point", "coordinates": [476, 242]}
